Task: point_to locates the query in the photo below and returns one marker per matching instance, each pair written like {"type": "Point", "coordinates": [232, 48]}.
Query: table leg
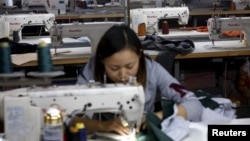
{"type": "Point", "coordinates": [177, 69]}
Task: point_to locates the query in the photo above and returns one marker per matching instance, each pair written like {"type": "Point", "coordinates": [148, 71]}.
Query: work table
{"type": "Point", "coordinates": [80, 55]}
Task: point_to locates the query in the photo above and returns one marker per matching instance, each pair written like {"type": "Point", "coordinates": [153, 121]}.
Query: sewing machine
{"type": "Point", "coordinates": [216, 25]}
{"type": "Point", "coordinates": [23, 108]}
{"type": "Point", "coordinates": [93, 30]}
{"type": "Point", "coordinates": [208, 4]}
{"type": "Point", "coordinates": [173, 2]}
{"type": "Point", "coordinates": [152, 16]}
{"type": "Point", "coordinates": [51, 6]}
{"type": "Point", "coordinates": [17, 22]}
{"type": "Point", "coordinates": [242, 4]}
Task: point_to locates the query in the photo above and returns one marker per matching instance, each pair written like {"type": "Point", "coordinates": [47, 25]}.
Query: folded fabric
{"type": "Point", "coordinates": [153, 123]}
{"type": "Point", "coordinates": [176, 127]}
{"type": "Point", "coordinates": [171, 128]}
{"type": "Point", "coordinates": [153, 131]}
{"type": "Point", "coordinates": [227, 108]}
{"type": "Point", "coordinates": [153, 42]}
{"type": "Point", "coordinates": [210, 116]}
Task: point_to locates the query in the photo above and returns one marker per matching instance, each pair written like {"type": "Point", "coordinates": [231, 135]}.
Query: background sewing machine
{"type": "Point", "coordinates": [216, 25]}
{"type": "Point", "coordinates": [17, 22]}
{"type": "Point", "coordinates": [208, 4]}
{"type": "Point", "coordinates": [40, 6]}
{"type": "Point", "coordinates": [242, 4]}
{"type": "Point", "coordinates": [52, 6]}
{"type": "Point", "coordinates": [93, 30]}
{"type": "Point", "coordinates": [23, 109]}
{"type": "Point", "coordinates": [153, 17]}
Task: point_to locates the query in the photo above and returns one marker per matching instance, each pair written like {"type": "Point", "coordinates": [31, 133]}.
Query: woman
{"type": "Point", "coordinates": [120, 55]}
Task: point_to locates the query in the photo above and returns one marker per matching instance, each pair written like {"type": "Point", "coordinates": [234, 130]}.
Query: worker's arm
{"type": "Point", "coordinates": [180, 112]}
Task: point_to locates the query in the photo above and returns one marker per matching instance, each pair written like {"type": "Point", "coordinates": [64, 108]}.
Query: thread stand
{"type": "Point", "coordinates": [11, 75]}
{"type": "Point", "coordinates": [19, 79]}
{"type": "Point", "coordinates": [25, 82]}
{"type": "Point", "coordinates": [6, 79]}
{"type": "Point", "coordinates": [46, 74]}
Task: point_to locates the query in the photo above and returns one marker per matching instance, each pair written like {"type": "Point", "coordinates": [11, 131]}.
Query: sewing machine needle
{"type": "Point", "coordinates": [213, 42]}
{"type": "Point", "coordinates": [55, 50]}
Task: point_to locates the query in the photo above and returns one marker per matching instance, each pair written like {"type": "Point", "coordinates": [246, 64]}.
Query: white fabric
{"type": "Point", "coordinates": [226, 107]}
{"type": "Point", "coordinates": [210, 116]}
{"type": "Point", "coordinates": [176, 127]}
{"type": "Point", "coordinates": [223, 114]}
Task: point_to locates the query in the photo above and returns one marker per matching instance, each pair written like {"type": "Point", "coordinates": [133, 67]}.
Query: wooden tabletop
{"type": "Point", "coordinates": [81, 55]}
{"type": "Point", "coordinates": [206, 50]}
{"type": "Point", "coordinates": [218, 12]}
{"type": "Point", "coordinates": [72, 16]}
{"type": "Point", "coordinates": [221, 49]}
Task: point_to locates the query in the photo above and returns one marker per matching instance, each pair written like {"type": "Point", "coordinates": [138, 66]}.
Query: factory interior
{"type": "Point", "coordinates": [45, 44]}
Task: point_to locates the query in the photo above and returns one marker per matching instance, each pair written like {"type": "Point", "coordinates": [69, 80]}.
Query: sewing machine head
{"type": "Point", "coordinates": [50, 6]}
{"type": "Point", "coordinates": [152, 16]}
{"type": "Point", "coordinates": [217, 25]}
{"type": "Point", "coordinates": [16, 22]}
{"type": "Point", "coordinates": [93, 30]}
{"type": "Point", "coordinates": [29, 104]}
{"type": "Point", "coordinates": [241, 4]}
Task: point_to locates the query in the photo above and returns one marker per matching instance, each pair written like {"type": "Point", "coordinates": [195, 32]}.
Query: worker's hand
{"type": "Point", "coordinates": [117, 126]}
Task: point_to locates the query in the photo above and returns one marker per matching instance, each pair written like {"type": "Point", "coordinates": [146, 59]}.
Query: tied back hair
{"type": "Point", "coordinates": [115, 39]}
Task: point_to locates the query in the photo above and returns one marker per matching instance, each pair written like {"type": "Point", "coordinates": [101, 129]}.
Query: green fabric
{"type": "Point", "coordinates": [167, 107]}
{"type": "Point", "coordinates": [145, 137]}
{"type": "Point", "coordinates": [153, 123]}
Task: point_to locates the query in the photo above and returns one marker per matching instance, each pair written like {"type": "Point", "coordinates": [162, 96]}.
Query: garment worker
{"type": "Point", "coordinates": [120, 55]}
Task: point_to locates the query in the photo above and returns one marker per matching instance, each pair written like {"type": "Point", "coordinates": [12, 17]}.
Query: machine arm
{"type": "Point", "coordinates": [93, 30]}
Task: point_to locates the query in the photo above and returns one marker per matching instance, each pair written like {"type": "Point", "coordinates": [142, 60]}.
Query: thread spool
{"type": "Point", "coordinates": [44, 57]}
{"type": "Point", "coordinates": [165, 27]}
{"type": "Point", "coordinates": [142, 29]}
{"type": "Point", "coordinates": [5, 58]}
{"type": "Point", "coordinates": [82, 131]}
{"type": "Point", "coordinates": [74, 134]}
{"type": "Point", "coordinates": [233, 7]}
{"type": "Point", "coordinates": [53, 125]}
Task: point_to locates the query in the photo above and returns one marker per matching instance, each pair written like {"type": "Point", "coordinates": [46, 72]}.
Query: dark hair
{"type": "Point", "coordinates": [115, 39]}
